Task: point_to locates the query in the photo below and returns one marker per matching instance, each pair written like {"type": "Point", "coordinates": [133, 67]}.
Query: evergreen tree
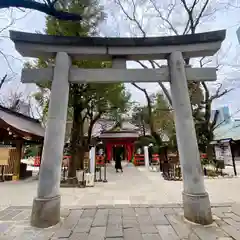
{"type": "Point", "coordinates": [87, 102]}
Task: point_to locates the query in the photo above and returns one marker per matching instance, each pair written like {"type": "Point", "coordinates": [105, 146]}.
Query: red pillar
{"type": "Point", "coordinates": [126, 152]}
{"type": "Point", "coordinates": [129, 151]}
{"type": "Point", "coordinates": [109, 151]}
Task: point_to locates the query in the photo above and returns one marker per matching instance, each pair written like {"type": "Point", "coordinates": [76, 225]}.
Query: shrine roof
{"type": "Point", "coordinates": [119, 134]}
{"type": "Point", "coordinates": [228, 131]}
{"type": "Point", "coordinates": [105, 128]}
{"type": "Point", "coordinates": [24, 124]}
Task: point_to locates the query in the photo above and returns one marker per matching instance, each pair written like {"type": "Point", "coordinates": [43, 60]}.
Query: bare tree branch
{"type": "Point", "coordinates": [143, 65]}
{"type": "Point", "coordinates": [41, 7]}
{"type": "Point", "coordinates": [149, 107]}
{"type": "Point", "coordinates": [166, 92]}
{"type": "Point", "coordinates": [9, 65]}
{"type": "Point", "coordinates": [185, 31]}
{"type": "Point", "coordinates": [93, 120]}
{"type": "Point", "coordinates": [206, 90]}
{"type": "Point", "coordinates": [133, 18]}
{"type": "Point", "coordinates": [208, 102]}
{"type": "Point", "coordinates": [171, 27]}
{"type": "Point", "coordinates": [3, 80]}
{"type": "Point", "coordinates": [8, 25]}
{"type": "Point", "coordinates": [138, 87]}
{"type": "Point", "coordinates": [193, 12]}
{"type": "Point", "coordinates": [201, 13]}
{"type": "Point", "coordinates": [219, 94]}
{"type": "Point", "coordinates": [202, 64]}
{"type": "Point", "coordinates": [172, 6]}
{"type": "Point", "coordinates": [189, 11]}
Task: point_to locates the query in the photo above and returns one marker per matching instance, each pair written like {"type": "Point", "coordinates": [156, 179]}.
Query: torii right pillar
{"type": "Point", "coordinates": [196, 202]}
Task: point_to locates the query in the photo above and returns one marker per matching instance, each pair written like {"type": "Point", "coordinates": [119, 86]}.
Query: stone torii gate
{"type": "Point", "coordinates": [46, 206]}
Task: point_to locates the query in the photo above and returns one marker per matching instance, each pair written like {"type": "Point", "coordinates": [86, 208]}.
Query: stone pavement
{"type": "Point", "coordinates": [123, 222]}
{"type": "Point", "coordinates": [133, 186]}
{"type": "Point", "coordinates": [128, 206]}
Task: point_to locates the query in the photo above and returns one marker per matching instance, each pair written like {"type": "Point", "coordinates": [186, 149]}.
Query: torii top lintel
{"type": "Point", "coordinates": [149, 48]}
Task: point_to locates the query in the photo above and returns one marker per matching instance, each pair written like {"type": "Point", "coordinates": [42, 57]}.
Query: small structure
{"type": "Point", "coordinates": [16, 130]}
{"type": "Point", "coordinates": [227, 138]}
{"type": "Point", "coordinates": [123, 137]}
{"type": "Point", "coordinates": [228, 128]}
{"type": "Point", "coordinates": [113, 135]}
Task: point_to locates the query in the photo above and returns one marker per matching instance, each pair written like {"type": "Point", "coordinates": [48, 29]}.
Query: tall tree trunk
{"type": "Point", "coordinates": [210, 152]}
{"type": "Point", "coordinates": [155, 135]}
{"type": "Point", "coordinates": [73, 150]}
{"type": "Point", "coordinates": [81, 148]}
{"type": "Point", "coordinates": [149, 106]}
{"type": "Point", "coordinates": [144, 130]}
{"type": "Point", "coordinates": [91, 125]}
{"type": "Point", "coordinates": [76, 128]}
{"type": "Point", "coordinates": [80, 157]}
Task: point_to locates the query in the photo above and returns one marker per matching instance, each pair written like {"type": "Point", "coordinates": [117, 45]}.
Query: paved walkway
{"type": "Point", "coordinates": [133, 186]}
{"type": "Point", "coordinates": [127, 207]}
{"type": "Point", "coordinates": [122, 223]}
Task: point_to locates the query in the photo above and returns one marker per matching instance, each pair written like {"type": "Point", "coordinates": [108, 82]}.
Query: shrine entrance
{"type": "Point", "coordinates": [174, 49]}
{"type": "Point", "coordinates": [127, 148]}
{"type": "Point", "coordinates": [118, 149]}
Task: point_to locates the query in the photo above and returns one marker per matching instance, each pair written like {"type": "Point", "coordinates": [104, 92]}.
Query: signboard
{"type": "Point", "coordinates": [4, 155]}
{"type": "Point", "coordinates": [219, 153]}
{"type": "Point", "coordinates": [223, 153]}
{"type": "Point", "coordinates": [227, 154]}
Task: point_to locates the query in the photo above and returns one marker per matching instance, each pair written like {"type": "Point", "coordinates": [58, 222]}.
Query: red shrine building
{"type": "Point", "coordinates": [121, 138]}
{"type": "Point", "coordinates": [114, 136]}
{"type": "Point", "coordinates": [109, 135]}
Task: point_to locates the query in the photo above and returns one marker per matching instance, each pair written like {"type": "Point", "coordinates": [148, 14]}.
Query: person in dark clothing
{"type": "Point", "coordinates": [150, 153]}
{"type": "Point", "coordinates": [118, 164]}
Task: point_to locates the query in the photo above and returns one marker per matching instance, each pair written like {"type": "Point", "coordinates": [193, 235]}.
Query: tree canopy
{"type": "Point", "coordinates": [87, 101]}
{"type": "Point", "coordinates": [162, 116]}
{"type": "Point", "coordinates": [46, 6]}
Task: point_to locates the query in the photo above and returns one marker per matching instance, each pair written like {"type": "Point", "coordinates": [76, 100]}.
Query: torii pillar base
{"type": "Point", "coordinates": [197, 208]}
{"type": "Point", "coordinates": [45, 212]}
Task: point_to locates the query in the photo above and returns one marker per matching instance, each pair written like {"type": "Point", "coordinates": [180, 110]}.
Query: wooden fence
{"type": "Point", "coordinates": [139, 159]}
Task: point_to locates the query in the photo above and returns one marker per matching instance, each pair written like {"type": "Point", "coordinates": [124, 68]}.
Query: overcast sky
{"type": "Point", "coordinates": [34, 21]}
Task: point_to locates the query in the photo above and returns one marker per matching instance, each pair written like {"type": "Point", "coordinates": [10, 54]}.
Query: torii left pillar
{"type": "Point", "coordinates": [46, 206]}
